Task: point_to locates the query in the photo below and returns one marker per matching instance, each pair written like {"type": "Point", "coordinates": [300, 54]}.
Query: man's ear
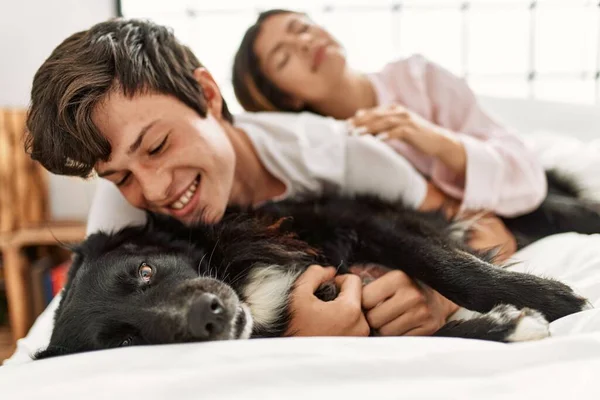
{"type": "Point", "coordinates": [210, 89]}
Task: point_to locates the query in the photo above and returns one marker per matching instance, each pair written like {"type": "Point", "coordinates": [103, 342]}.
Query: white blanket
{"type": "Point", "coordinates": [579, 159]}
{"type": "Point", "coordinates": [562, 367]}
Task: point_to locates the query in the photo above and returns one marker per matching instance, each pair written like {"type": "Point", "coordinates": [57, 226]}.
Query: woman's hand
{"type": "Point", "coordinates": [314, 317]}
{"type": "Point", "coordinates": [395, 305]}
{"type": "Point", "coordinates": [487, 232]}
{"type": "Point", "coordinates": [397, 122]}
{"type": "Point", "coordinates": [436, 200]}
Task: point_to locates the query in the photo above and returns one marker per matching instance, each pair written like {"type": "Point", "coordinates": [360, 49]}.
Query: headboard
{"type": "Point", "coordinates": [532, 116]}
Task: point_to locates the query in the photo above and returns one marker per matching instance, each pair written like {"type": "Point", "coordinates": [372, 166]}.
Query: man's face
{"type": "Point", "coordinates": [165, 157]}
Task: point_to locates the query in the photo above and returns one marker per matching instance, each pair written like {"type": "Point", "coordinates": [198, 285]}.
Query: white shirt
{"type": "Point", "coordinates": [310, 154]}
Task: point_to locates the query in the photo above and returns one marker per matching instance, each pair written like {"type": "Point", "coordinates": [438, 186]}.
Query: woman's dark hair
{"type": "Point", "coordinates": [253, 90]}
{"type": "Point", "coordinates": [132, 56]}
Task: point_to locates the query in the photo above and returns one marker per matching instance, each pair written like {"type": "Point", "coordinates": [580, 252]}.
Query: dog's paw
{"type": "Point", "coordinates": [561, 300]}
{"type": "Point", "coordinates": [531, 326]}
{"type": "Point", "coordinates": [528, 324]}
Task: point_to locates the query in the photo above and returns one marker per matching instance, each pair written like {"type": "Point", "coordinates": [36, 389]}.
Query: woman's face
{"type": "Point", "coordinates": [299, 57]}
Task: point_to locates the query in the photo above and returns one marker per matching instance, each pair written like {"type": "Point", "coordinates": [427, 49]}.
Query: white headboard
{"type": "Point", "coordinates": [531, 116]}
{"type": "Point", "coordinates": [71, 197]}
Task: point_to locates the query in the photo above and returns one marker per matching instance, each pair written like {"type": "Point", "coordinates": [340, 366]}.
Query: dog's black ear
{"type": "Point", "coordinates": [76, 263]}
{"type": "Point", "coordinates": [151, 221]}
{"type": "Point", "coordinates": [156, 222]}
{"type": "Point", "coordinates": [159, 222]}
{"type": "Point", "coordinates": [94, 245]}
{"type": "Point", "coordinates": [50, 351]}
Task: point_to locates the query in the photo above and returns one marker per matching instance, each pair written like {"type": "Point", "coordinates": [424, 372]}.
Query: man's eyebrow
{"type": "Point", "coordinates": [106, 173]}
{"type": "Point", "coordinates": [133, 148]}
{"type": "Point", "coordinates": [289, 28]}
{"type": "Point", "coordinates": [138, 142]}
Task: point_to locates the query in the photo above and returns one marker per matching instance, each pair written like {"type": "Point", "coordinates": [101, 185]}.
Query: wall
{"type": "Point", "coordinates": [581, 121]}
{"type": "Point", "coordinates": [29, 31]}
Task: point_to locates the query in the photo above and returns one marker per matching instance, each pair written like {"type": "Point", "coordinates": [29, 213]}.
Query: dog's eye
{"type": "Point", "coordinates": [127, 342]}
{"type": "Point", "coordinates": [146, 272]}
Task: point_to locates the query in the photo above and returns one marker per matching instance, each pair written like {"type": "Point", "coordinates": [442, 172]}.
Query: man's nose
{"type": "Point", "coordinates": [155, 186]}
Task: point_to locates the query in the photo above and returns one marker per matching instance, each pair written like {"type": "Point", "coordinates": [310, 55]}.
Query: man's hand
{"type": "Point", "coordinates": [340, 317]}
{"type": "Point", "coordinates": [396, 305]}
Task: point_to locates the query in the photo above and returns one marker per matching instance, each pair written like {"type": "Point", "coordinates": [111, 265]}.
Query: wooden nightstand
{"type": "Point", "coordinates": [16, 266]}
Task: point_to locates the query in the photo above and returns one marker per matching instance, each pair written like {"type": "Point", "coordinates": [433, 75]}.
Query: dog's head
{"type": "Point", "coordinates": [143, 286]}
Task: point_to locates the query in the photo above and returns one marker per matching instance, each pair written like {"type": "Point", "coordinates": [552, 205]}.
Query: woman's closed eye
{"type": "Point", "coordinates": [283, 61]}
{"type": "Point", "coordinates": [285, 54]}
{"type": "Point", "coordinates": [303, 28]}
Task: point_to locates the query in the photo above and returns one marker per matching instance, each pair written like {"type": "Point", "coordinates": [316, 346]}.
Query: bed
{"type": "Point", "coordinates": [564, 366]}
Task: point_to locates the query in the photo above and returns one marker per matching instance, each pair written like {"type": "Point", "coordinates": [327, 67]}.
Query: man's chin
{"type": "Point", "coordinates": [211, 216]}
{"type": "Point", "coordinates": [190, 219]}
{"type": "Point", "coordinates": [202, 215]}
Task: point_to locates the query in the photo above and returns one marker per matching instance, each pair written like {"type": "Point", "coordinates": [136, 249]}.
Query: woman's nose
{"type": "Point", "coordinates": [305, 41]}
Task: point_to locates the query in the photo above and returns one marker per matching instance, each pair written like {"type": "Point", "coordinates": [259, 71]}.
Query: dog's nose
{"type": "Point", "coordinates": [206, 317]}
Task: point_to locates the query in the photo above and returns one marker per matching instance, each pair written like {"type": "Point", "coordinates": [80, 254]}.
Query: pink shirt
{"type": "Point", "coordinates": [501, 175]}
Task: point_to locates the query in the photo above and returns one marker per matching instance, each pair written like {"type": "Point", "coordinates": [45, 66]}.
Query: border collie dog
{"type": "Point", "coordinates": [165, 282]}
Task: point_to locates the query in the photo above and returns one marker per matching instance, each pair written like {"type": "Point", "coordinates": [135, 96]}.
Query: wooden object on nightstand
{"type": "Point", "coordinates": [16, 266]}
{"type": "Point", "coordinates": [24, 217]}
{"type": "Point", "coordinates": [23, 182]}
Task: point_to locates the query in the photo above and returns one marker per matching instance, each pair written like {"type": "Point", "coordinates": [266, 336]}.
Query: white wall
{"type": "Point", "coordinates": [29, 31]}
{"type": "Point", "coordinates": [581, 121]}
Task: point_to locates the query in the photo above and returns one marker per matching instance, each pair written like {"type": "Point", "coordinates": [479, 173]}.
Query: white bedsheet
{"type": "Point", "coordinates": [565, 366]}
{"type": "Point", "coordinates": [579, 159]}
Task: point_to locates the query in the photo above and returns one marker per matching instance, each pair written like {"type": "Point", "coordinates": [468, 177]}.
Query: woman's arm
{"type": "Point", "coordinates": [476, 157]}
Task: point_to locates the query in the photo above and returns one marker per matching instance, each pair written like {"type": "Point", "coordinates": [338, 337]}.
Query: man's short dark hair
{"type": "Point", "coordinates": [132, 56]}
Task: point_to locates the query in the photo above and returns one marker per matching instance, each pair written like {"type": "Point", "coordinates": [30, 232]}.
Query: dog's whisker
{"type": "Point", "coordinates": [200, 263]}
{"type": "Point", "coordinates": [226, 271]}
{"type": "Point", "coordinates": [339, 266]}
{"type": "Point", "coordinates": [211, 254]}
{"type": "Point", "coordinates": [236, 279]}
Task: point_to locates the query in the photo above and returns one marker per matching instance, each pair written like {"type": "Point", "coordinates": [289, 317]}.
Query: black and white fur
{"type": "Point", "coordinates": [233, 280]}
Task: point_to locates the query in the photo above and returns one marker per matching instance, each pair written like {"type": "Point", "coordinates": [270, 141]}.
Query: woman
{"type": "Point", "coordinates": [287, 62]}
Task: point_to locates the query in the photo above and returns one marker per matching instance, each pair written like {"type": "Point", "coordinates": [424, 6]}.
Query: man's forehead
{"type": "Point", "coordinates": [123, 122]}
{"type": "Point", "coordinates": [117, 112]}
